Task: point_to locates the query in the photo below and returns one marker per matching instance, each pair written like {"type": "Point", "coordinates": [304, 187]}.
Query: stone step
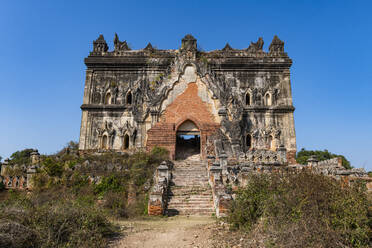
{"type": "Point", "coordinates": [188, 211]}
{"type": "Point", "coordinates": [190, 193]}
{"type": "Point", "coordinates": [195, 184]}
{"type": "Point", "coordinates": [181, 205]}
{"type": "Point", "coordinates": [198, 198]}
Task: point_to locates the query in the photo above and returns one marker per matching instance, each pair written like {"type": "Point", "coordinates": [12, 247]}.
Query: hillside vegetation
{"type": "Point", "coordinates": [65, 207]}
{"type": "Point", "coordinates": [303, 210]}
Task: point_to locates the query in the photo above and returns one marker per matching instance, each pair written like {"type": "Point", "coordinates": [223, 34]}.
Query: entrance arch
{"type": "Point", "coordinates": [187, 140]}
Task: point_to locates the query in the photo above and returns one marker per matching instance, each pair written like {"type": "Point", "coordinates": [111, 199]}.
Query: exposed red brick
{"type": "Point", "coordinates": [187, 106]}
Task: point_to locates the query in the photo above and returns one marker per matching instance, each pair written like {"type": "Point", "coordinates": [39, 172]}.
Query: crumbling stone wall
{"type": "Point", "coordinates": [136, 99]}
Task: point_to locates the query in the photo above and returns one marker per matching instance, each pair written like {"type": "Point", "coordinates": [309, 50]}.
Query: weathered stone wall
{"type": "Point", "coordinates": [133, 97]}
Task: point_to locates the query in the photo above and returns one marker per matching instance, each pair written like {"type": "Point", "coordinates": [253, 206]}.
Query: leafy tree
{"type": "Point", "coordinates": [21, 157]}
{"type": "Point", "coordinates": [303, 155]}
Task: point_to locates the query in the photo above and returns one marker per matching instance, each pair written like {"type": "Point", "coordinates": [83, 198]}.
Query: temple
{"type": "Point", "coordinates": [228, 102]}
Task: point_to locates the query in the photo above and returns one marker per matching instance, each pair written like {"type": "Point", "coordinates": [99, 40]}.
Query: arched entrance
{"type": "Point", "coordinates": [187, 140]}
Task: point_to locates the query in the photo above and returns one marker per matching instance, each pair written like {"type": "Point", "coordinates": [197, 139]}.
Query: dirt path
{"type": "Point", "coordinates": [172, 232]}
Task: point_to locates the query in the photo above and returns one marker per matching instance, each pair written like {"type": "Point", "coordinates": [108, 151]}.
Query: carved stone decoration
{"type": "Point", "coordinates": [99, 46]}
{"type": "Point", "coordinates": [149, 48]}
{"type": "Point", "coordinates": [276, 46]}
{"type": "Point", "coordinates": [189, 43]}
{"type": "Point", "coordinates": [256, 46]}
{"type": "Point", "coordinates": [227, 48]}
{"type": "Point", "coordinates": [107, 130]}
{"type": "Point", "coordinates": [120, 45]}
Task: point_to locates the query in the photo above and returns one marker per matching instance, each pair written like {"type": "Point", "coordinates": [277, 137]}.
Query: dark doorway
{"type": "Point", "coordinates": [187, 141]}
{"type": "Point", "coordinates": [187, 146]}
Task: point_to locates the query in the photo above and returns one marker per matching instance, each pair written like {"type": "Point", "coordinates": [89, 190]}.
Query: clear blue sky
{"type": "Point", "coordinates": [43, 44]}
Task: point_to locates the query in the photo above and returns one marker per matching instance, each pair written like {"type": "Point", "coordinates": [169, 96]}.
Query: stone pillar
{"type": "Point", "coordinates": [30, 174]}
{"type": "Point", "coordinates": [4, 166]}
{"type": "Point", "coordinates": [163, 171]}
{"type": "Point", "coordinates": [35, 157]}
{"type": "Point", "coordinates": [223, 163]}
{"type": "Point", "coordinates": [312, 162]}
{"type": "Point", "coordinates": [215, 173]}
{"type": "Point", "coordinates": [210, 160]}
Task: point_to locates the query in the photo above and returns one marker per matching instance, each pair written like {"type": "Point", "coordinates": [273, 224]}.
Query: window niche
{"type": "Point", "coordinates": [128, 98]}
{"type": "Point", "coordinates": [126, 142]}
{"type": "Point", "coordinates": [268, 101]}
{"type": "Point", "coordinates": [104, 144]}
{"type": "Point", "coordinates": [247, 99]}
{"type": "Point", "coordinates": [248, 141]}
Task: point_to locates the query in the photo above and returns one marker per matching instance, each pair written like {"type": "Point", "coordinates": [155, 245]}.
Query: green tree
{"type": "Point", "coordinates": [303, 155]}
{"type": "Point", "coordinates": [21, 157]}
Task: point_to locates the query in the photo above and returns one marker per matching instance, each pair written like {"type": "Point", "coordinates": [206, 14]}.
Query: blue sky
{"type": "Point", "coordinates": [43, 44]}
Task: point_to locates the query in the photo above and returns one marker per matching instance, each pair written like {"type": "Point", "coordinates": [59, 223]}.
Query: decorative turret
{"type": "Point", "coordinates": [99, 46]}
{"type": "Point", "coordinates": [227, 48]}
{"type": "Point", "coordinates": [120, 45]}
{"type": "Point", "coordinates": [256, 46]}
{"type": "Point", "coordinates": [276, 46]}
{"type": "Point", "coordinates": [189, 43]}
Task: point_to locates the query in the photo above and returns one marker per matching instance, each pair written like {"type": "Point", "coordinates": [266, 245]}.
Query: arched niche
{"type": "Point", "coordinates": [108, 98]}
{"type": "Point", "coordinates": [126, 142]}
{"type": "Point", "coordinates": [268, 100]}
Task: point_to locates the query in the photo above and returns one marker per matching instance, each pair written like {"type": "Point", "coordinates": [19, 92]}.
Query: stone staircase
{"type": "Point", "coordinates": [190, 193]}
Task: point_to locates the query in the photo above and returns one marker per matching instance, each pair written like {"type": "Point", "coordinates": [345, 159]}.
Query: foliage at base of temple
{"type": "Point", "coordinates": [303, 155]}
{"type": "Point", "coordinates": [303, 210]}
{"type": "Point", "coordinates": [68, 208]}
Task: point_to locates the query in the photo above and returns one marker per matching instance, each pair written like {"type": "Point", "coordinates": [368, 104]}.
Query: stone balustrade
{"type": "Point", "coordinates": [158, 196]}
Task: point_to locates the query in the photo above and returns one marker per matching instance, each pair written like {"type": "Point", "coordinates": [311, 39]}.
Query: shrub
{"type": "Point", "coordinates": [109, 183]}
{"type": "Point", "coordinates": [115, 203]}
{"type": "Point", "coordinates": [158, 154]}
{"type": "Point", "coordinates": [26, 223]}
{"type": "Point", "coordinates": [52, 167]}
{"type": "Point", "coordinates": [315, 209]}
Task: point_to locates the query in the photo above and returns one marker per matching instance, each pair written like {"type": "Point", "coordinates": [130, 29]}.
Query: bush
{"type": "Point", "coordinates": [26, 223]}
{"type": "Point", "coordinates": [303, 155]}
{"type": "Point", "coordinates": [109, 183]}
{"type": "Point", "coordinates": [115, 203]}
{"type": "Point", "coordinates": [315, 209]}
{"type": "Point", "coordinates": [52, 167]}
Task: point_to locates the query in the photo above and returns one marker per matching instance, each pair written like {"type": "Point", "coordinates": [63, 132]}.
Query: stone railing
{"type": "Point", "coordinates": [264, 157]}
{"type": "Point", "coordinates": [158, 196]}
{"type": "Point", "coordinates": [19, 176]}
{"type": "Point", "coordinates": [224, 173]}
{"type": "Point", "coordinates": [221, 198]}
{"type": "Point", "coordinates": [333, 168]}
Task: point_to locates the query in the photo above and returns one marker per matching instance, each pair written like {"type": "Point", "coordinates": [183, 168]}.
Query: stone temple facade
{"type": "Point", "coordinates": [228, 101]}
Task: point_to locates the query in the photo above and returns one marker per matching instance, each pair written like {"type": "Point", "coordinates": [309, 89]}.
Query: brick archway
{"type": "Point", "coordinates": [187, 140]}
{"type": "Point", "coordinates": [186, 106]}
